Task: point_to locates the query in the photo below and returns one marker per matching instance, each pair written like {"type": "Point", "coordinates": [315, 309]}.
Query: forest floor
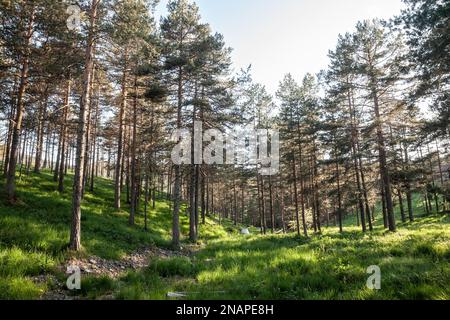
{"type": "Point", "coordinates": [123, 262]}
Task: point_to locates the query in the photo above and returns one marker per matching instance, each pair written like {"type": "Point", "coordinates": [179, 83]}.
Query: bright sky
{"type": "Point", "coordinates": [282, 36]}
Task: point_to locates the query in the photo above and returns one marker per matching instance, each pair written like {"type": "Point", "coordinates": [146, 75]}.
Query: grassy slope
{"type": "Point", "coordinates": [414, 264]}
{"type": "Point", "coordinates": [418, 206]}
{"type": "Point", "coordinates": [34, 234]}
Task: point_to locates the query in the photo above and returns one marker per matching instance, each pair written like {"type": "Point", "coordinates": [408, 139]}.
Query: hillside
{"type": "Point", "coordinates": [222, 265]}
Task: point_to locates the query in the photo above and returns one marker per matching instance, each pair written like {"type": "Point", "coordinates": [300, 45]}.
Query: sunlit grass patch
{"type": "Point", "coordinates": [34, 234]}
{"type": "Point", "coordinates": [19, 288]}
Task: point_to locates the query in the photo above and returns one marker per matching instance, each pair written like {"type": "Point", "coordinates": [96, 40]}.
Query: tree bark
{"type": "Point", "coordinates": [75, 232]}
{"type": "Point", "coordinates": [177, 186]}
{"type": "Point", "coordinates": [339, 193]}
{"type": "Point", "coordinates": [11, 176]}
{"type": "Point", "coordinates": [40, 133]}
{"type": "Point", "coordinates": [272, 212]}
{"type": "Point", "coordinates": [383, 162]}
{"type": "Point", "coordinates": [134, 177]}
{"type": "Point", "coordinates": [297, 214]}
{"type": "Point", "coordinates": [118, 170]}
{"type": "Point", "coordinates": [62, 164]}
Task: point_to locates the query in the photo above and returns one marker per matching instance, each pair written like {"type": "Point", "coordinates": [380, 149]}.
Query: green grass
{"type": "Point", "coordinates": [414, 263]}
{"type": "Point", "coordinates": [418, 209]}
{"type": "Point", "coordinates": [35, 232]}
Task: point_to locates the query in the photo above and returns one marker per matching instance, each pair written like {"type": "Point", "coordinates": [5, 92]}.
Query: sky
{"type": "Point", "coordinates": [286, 36]}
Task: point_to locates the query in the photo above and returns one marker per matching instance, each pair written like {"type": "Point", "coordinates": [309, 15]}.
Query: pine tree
{"type": "Point", "coordinates": [75, 231]}
{"type": "Point", "coordinates": [179, 31]}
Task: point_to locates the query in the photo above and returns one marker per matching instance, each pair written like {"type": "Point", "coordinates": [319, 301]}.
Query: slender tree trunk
{"type": "Point", "coordinates": [282, 209]}
{"type": "Point", "coordinates": [63, 137]}
{"type": "Point", "coordinates": [339, 193]}
{"type": "Point", "coordinates": [207, 208]}
{"type": "Point", "coordinates": [58, 158]}
{"type": "Point", "coordinates": [134, 177]}
{"type": "Point", "coordinates": [75, 232]}
{"type": "Point", "coordinates": [261, 218]}
{"type": "Point", "coordinates": [177, 187]}
{"type": "Point", "coordinates": [52, 155]}
{"type": "Point", "coordinates": [11, 124]}
{"type": "Point", "coordinates": [95, 149]}
{"type": "Point", "coordinates": [294, 173]}
{"type": "Point", "coordinates": [88, 130]}
{"type": "Point", "coordinates": [235, 213]}
{"type": "Point", "coordinates": [123, 105]}
{"type": "Point", "coordinates": [383, 206]}
{"type": "Point", "coordinates": [127, 155]}
{"type": "Point", "coordinates": [30, 153]}
{"type": "Point", "coordinates": [193, 184]}
{"type": "Point", "coordinates": [146, 202]}
{"type": "Point", "coordinates": [196, 199]}
{"type": "Point", "coordinates": [203, 195]}
{"type": "Point", "coordinates": [263, 205]}
{"type": "Point", "coordinates": [272, 212]}
{"type": "Point", "coordinates": [316, 187]}
{"type": "Point", "coordinates": [408, 185]}
{"type": "Point", "coordinates": [242, 205]}
{"type": "Point", "coordinates": [433, 183]}
{"type": "Point", "coordinates": [441, 175]}
{"type": "Point", "coordinates": [11, 176]}
{"type": "Point", "coordinates": [40, 133]}
{"type": "Point", "coordinates": [383, 165]}
{"type": "Point", "coordinates": [356, 168]}
{"type": "Point", "coordinates": [370, 215]}
{"type": "Point", "coordinates": [402, 208]}
{"type": "Point", "coordinates": [47, 146]}
{"type": "Point", "coordinates": [302, 187]}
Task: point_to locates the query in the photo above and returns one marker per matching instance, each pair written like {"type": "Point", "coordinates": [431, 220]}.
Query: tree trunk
{"type": "Point", "coordinates": [383, 165]}
{"type": "Point", "coordinates": [95, 149]}
{"type": "Point", "coordinates": [11, 116]}
{"type": "Point", "coordinates": [302, 187]}
{"type": "Point", "coordinates": [263, 205]}
{"type": "Point", "coordinates": [294, 173]}
{"type": "Point", "coordinates": [40, 133]}
{"type": "Point", "coordinates": [339, 193]}
{"type": "Point", "coordinates": [441, 175]}
{"type": "Point", "coordinates": [203, 195]}
{"type": "Point", "coordinates": [123, 105]}
{"type": "Point", "coordinates": [134, 177]}
{"type": "Point", "coordinates": [146, 201]}
{"type": "Point", "coordinates": [177, 187]}
{"type": "Point", "coordinates": [11, 176]}
{"type": "Point", "coordinates": [64, 137]}
{"type": "Point", "coordinates": [75, 232]}
{"type": "Point", "coordinates": [88, 130]}
{"type": "Point", "coordinates": [272, 212]}
{"type": "Point", "coordinates": [402, 209]}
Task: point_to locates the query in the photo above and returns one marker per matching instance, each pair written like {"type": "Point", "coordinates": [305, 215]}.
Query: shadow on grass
{"type": "Point", "coordinates": [41, 220]}
{"type": "Point", "coordinates": [414, 264]}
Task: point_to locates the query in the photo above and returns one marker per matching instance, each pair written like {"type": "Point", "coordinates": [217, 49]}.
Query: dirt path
{"type": "Point", "coordinates": [95, 266]}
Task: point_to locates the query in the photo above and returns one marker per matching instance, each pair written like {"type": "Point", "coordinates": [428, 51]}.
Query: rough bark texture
{"type": "Point", "coordinates": [75, 232]}
{"type": "Point", "coordinates": [40, 133]}
{"type": "Point", "coordinates": [118, 169]}
{"type": "Point", "coordinates": [62, 163]}
{"type": "Point", "coordinates": [11, 176]}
